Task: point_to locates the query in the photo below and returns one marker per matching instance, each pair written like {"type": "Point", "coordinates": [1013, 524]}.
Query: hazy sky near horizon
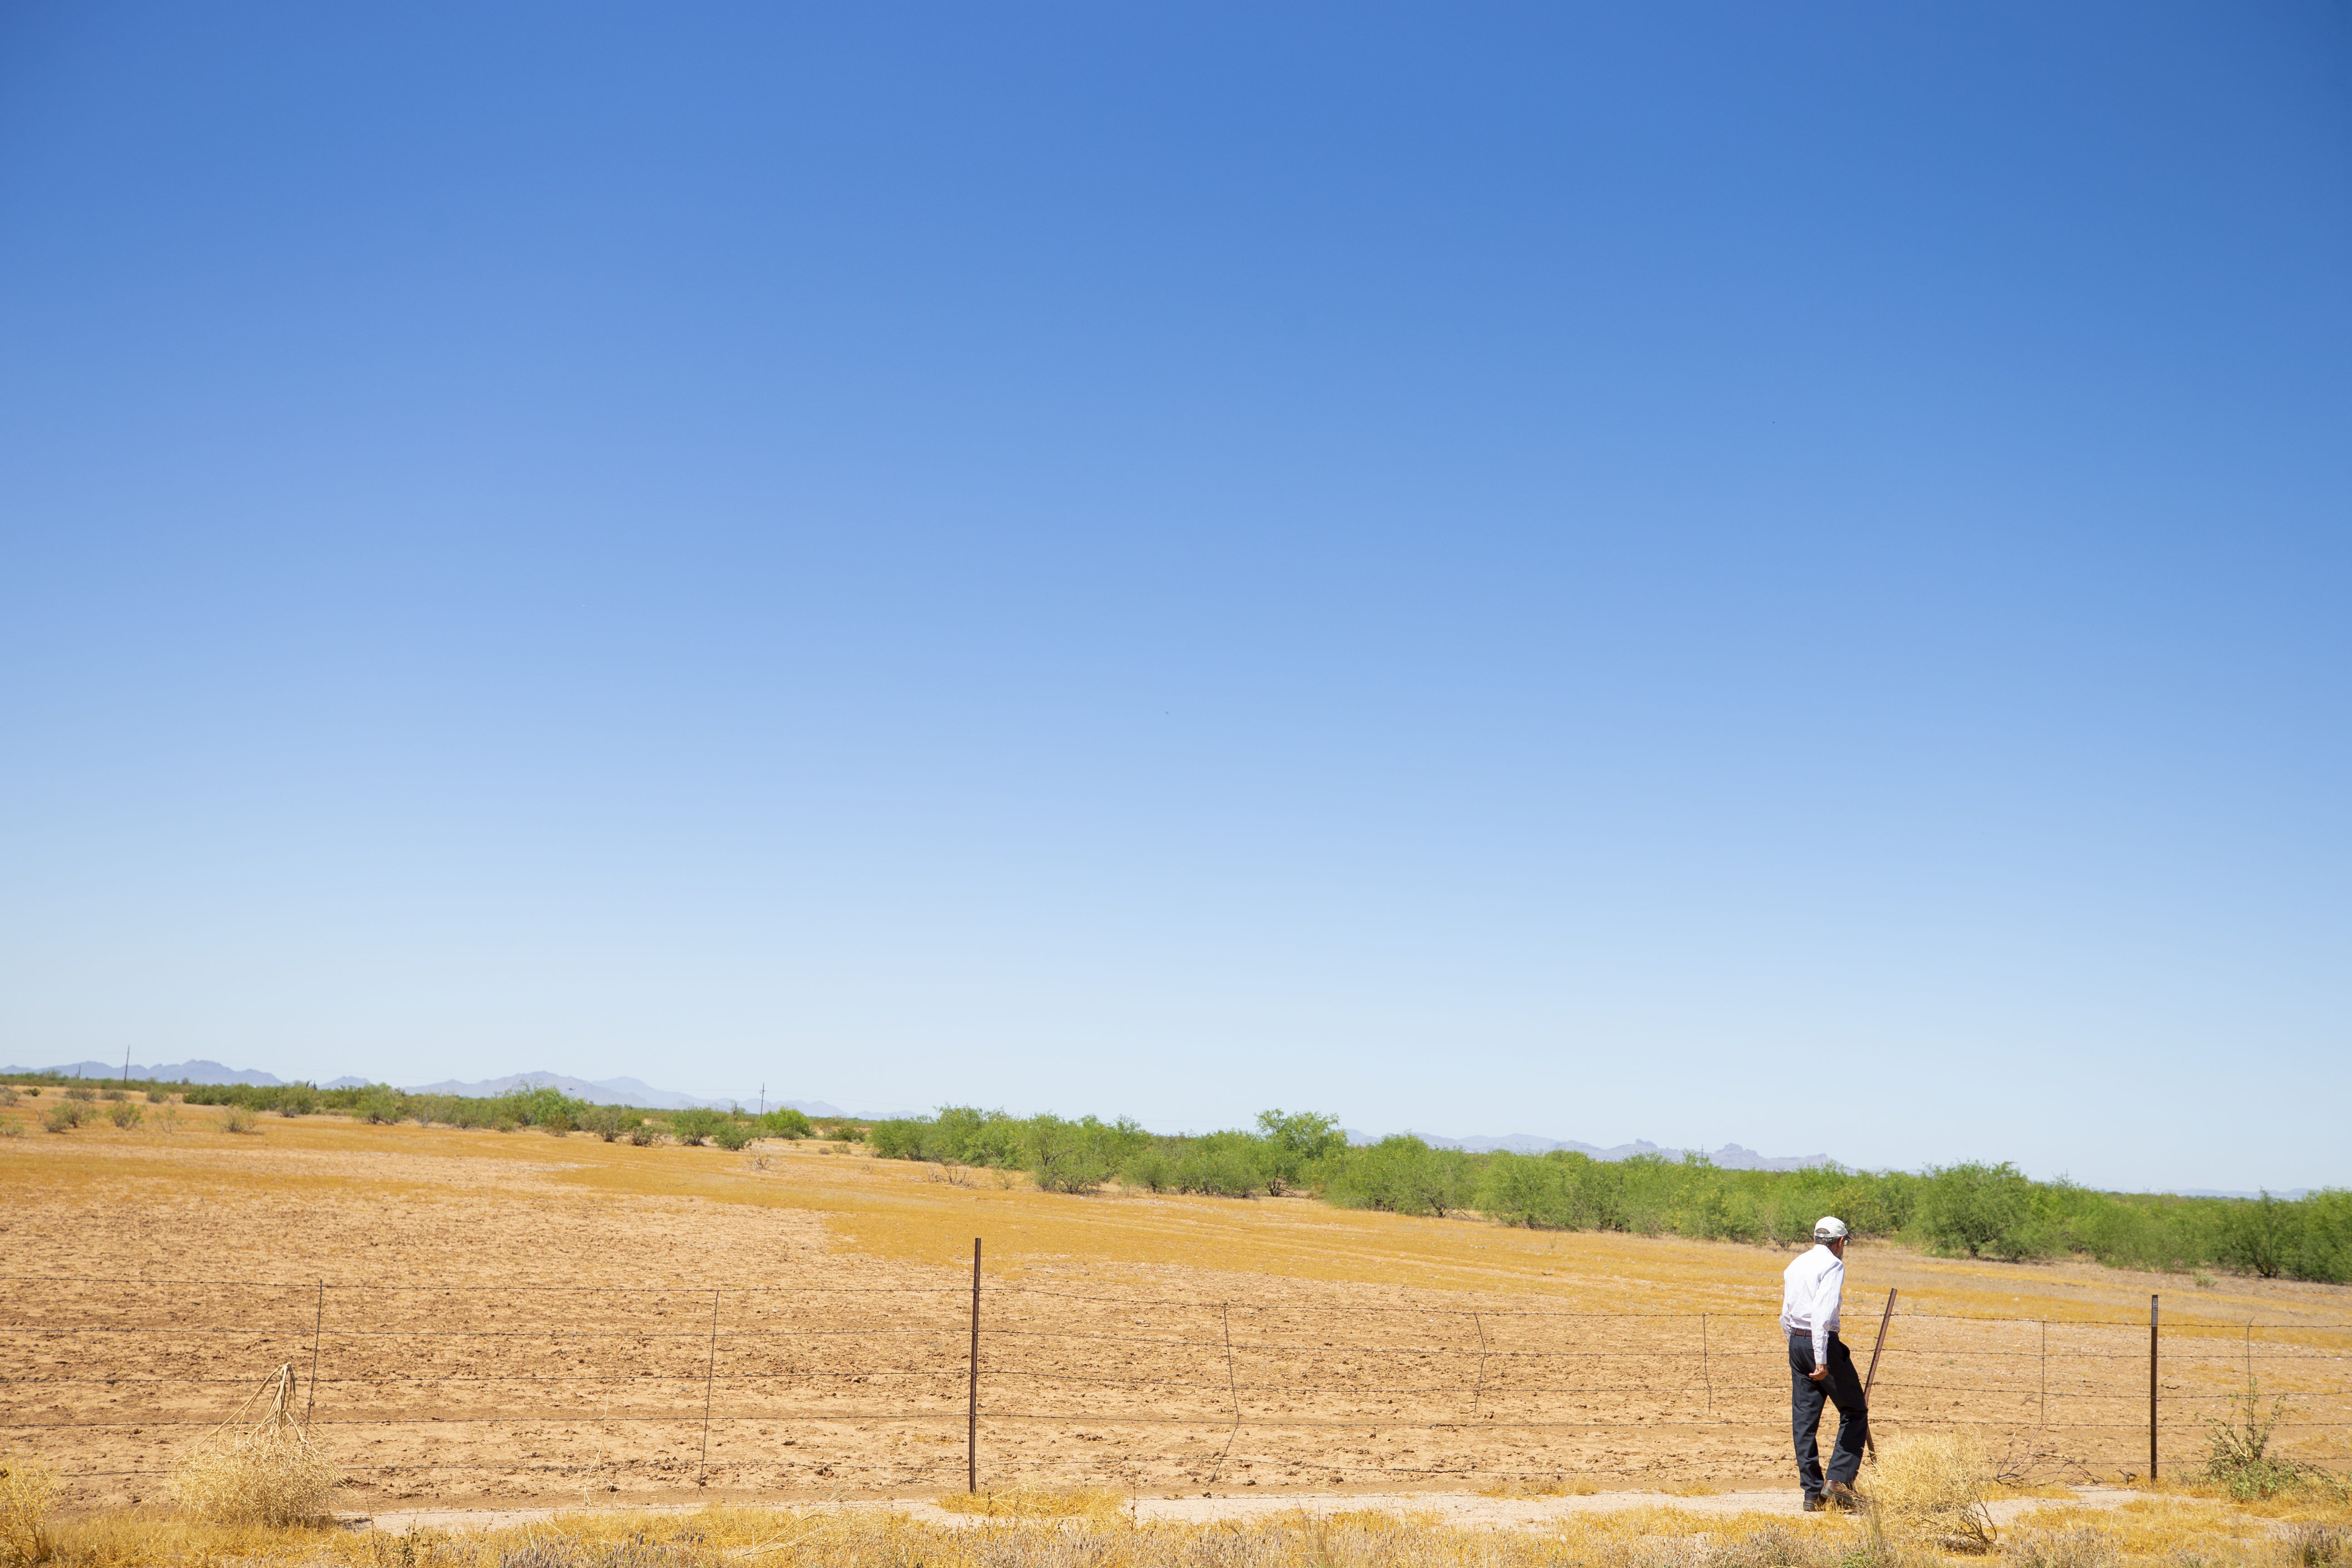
{"type": "Point", "coordinates": [1699, 572]}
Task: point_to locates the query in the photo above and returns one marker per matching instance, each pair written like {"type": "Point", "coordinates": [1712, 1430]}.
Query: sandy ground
{"type": "Point", "coordinates": [522, 1320]}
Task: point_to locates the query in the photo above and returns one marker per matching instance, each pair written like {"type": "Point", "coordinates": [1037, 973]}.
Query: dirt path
{"type": "Point", "coordinates": [1459, 1510]}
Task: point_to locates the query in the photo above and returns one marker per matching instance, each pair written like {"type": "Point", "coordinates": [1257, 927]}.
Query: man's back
{"type": "Point", "coordinates": [1811, 1291]}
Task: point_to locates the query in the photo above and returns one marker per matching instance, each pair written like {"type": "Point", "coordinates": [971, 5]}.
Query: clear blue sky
{"type": "Point", "coordinates": [1775, 574]}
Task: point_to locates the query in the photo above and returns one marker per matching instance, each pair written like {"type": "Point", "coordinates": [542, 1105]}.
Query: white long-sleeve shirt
{"type": "Point", "coordinates": [1810, 1291]}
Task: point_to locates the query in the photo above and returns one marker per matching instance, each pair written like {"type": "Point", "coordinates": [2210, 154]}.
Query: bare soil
{"type": "Point", "coordinates": [533, 1320]}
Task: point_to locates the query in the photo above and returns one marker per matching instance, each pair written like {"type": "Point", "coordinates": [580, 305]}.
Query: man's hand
{"type": "Point", "coordinates": [1818, 1374]}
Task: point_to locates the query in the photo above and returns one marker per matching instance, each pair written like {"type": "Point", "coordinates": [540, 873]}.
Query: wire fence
{"type": "Point", "coordinates": [441, 1390]}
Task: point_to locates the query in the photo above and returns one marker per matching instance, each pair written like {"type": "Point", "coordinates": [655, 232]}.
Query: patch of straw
{"type": "Point", "coordinates": [1549, 1485]}
{"type": "Point", "coordinates": [1038, 1502]}
{"type": "Point", "coordinates": [27, 1487]}
{"type": "Point", "coordinates": [266, 1473]}
{"type": "Point", "coordinates": [1932, 1487]}
{"type": "Point", "coordinates": [2078, 1548]}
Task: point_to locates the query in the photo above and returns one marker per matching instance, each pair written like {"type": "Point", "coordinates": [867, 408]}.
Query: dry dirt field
{"type": "Point", "coordinates": [516, 1318]}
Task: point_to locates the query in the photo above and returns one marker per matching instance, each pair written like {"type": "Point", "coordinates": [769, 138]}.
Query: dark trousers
{"type": "Point", "coordinates": [1842, 1388]}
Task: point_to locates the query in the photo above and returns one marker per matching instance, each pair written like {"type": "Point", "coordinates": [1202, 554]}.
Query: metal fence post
{"type": "Point", "coordinates": [1478, 1388]}
{"type": "Point", "coordinates": [1225, 1329]}
{"type": "Point", "coordinates": [710, 1375]}
{"type": "Point", "coordinates": [317, 1323]}
{"type": "Point", "coordinates": [1885, 1315]}
{"type": "Point", "coordinates": [972, 1395]}
{"type": "Point", "coordinates": [2151, 1388]}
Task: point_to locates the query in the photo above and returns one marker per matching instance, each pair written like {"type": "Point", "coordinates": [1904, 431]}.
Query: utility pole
{"type": "Point", "coordinates": [764, 1099]}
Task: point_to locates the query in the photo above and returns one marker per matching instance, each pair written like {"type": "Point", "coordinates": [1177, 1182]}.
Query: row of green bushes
{"type": "Point", "coordinates": [551, 1110]}
{"type": "Point", "coordinates": [1286, 1151]}
{"type": "Point", "coordinates": [545, 1110]}
{"type": "Point", "coordinates": [1970, 1209]}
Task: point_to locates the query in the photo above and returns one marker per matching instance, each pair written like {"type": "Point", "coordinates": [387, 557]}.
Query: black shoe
{"type": "Point", "coordinates": [1813, 1503]}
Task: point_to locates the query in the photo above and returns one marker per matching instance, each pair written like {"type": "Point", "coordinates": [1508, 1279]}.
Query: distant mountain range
{"type": "Point", "coordinates": [609, 1091]}
{"type": "Point", "coordinates": [2287, 1194]}
{"type": "Point", "coordinates": [175, 1073]}
{"type": "Point", "coordinates": [1732, 1156]}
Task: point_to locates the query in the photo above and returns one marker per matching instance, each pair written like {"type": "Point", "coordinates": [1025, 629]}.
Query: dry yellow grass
{"type": "Point", "coordinates": [2171, 1534]}
{"type": "Point", "coordinates": [2179, 1528]}
{"type": "Point", "coordinates": [1931, 1487]}
{"type": "Point", "coordinates": [1556, 1486]}
{"type": "Point", "coordinates": [28, 1489]}
{"type": "Point", "coordinates": [264, 1471]}
{"type": "Point", "coordinates": [1037, 1503]}
{"type": "Point", "coordinates": [861, 1538]}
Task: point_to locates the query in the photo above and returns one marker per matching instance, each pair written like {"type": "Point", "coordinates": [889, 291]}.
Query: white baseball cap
{"type": "Point", "coordinates": [1829, 1227]}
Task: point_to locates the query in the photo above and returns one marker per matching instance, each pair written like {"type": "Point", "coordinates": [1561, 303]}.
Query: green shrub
{"type": "Point", "coordinates": [158, 1097]}
{"type": "Point", "coordinates": [957, 1135]}
{"type": "Point", "coordinates": [785, 1122]}
{"type": "Point", "coordinates": [297, 1100]}
{"type": "Point", "coordinates": [1405, 1175]}
{"type": "Point", "coordinates": [1981, 1211]}
{"type": "Point", "coordinates": [237, 1119]}
{"type": "Point", "coordinates": [606, 1121]}
{"type": "Point", "coordinates": [551, 1110]}
{"type": "Point", "coordinates": [1225, 1165]}
{"type": "Point", "coordinates": [124, 1114]}
{"type": "Point", "coordinates": [903, 1138]}
{"type": "Point", "coordinates": [734, 1136]}
{"type": "Point", "coordinates": [81, 1094]}
{"type": "Point", "coordinates": [2237, 1455]}
{"type": "Point", "coordinates": [1298, 1145]}
{"type": "Point", "coordinates": [692, 1126]}
{"type": "Point", "coordinates": [1077, 1156]}
{"type": "Point", "coordinates": [1151, 1169]}
{"type": "Point", "coordinates": [379, 1106]}
{"type": "Point", "coordinates": [1560, 1191]}
{"type": "Point", "coordinates": [2326, 1253]}
{"type": "Point", "coordinates": [2267, 1238]}
{"type": "Point", "coordinates": [63, 1118]}
{"type": "Point", "coordinates": [641, 1134]}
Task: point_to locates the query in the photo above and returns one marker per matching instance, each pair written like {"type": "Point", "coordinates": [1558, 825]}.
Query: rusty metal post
{"type": "Point", "coordinates": [2151, 1388]}
{"type": "Point", "coordinates": [709, 1376]}
{"type": "Point", "coordinates": [1871, 1376]}
{"type": "Point", "coordinates": [317, 1323]}
{"type": "Point", "coordinates": [971, 1400]}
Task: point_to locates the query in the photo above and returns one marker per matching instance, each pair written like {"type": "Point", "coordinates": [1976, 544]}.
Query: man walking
{"type": "Point", "coordinates": [1819, 1365]}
